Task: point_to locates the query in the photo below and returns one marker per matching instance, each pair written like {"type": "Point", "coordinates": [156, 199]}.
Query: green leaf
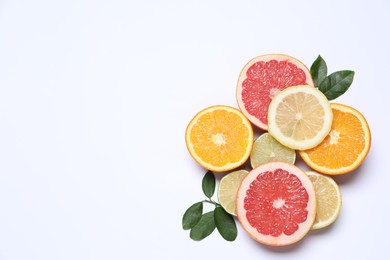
{"type": "Point", "coordinates": [336, 83]}
{"type": "Point", "coordinates": [208, 184]}
{"type": "Point", "coordinates": [225, 224]}
{"type": "Point", "coordinates": [192, 215]}
{"type": "Point", "coordinates": [204, 228]}
{"type": "Point", "coordinates": [318, 70]}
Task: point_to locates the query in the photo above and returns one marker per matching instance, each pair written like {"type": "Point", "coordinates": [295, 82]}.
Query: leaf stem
{"type": "Point", "coordinates": [212, 202]}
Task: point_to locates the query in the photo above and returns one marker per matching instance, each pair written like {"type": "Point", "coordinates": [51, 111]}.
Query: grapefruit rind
{"type": "Point", "coordinates": [265, 58]}
{"type": "Point", "coordinates": [283, 239]}
{"type": "Point", "coordinates": [228, 166]}
{"type": "Point", "coordinates": [275, 131]}
{"type": "Point", "coordinates": [361, 156]}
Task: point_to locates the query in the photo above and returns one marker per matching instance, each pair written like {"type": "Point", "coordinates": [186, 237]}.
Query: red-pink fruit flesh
{"type": "Point", "coordinates": [276, 204]}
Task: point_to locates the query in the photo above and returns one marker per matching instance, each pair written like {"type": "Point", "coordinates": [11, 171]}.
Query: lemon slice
{"type": "Point", "coordinates": [268, 149]}
{"type": "Point", "coordinates": [299, 117]}
{"type": "Point", "coordinates": [227, 190]}
{"type": "Point", "coordinates": [328, 197]}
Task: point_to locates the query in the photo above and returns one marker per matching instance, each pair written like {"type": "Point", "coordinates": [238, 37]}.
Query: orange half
{"type": "Point", "coordinates": [346, 145]}
{"type": "Point", "coordinates": [219, 138]}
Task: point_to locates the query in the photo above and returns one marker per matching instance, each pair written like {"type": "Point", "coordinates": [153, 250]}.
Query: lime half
{"type": "Point", "coordinates": [268, 149]}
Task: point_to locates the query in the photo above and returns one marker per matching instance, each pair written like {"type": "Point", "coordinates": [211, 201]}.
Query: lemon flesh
{"type": "Point", "coordinates": [328, 197]}
{"type": "Point", "coordinates": [227, 190]}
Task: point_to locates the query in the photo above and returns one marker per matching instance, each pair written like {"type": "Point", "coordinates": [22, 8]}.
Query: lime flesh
{"type": "Point", "coordinates": [268, 149]}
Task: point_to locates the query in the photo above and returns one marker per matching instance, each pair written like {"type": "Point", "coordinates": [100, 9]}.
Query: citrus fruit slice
{"type": "Point", "coordinates": [263, 77]}
{"type": "Point", "coordinates": [299, 117]}
{"type": "Point", "coordinates": [227, 190]}
{"type": "Point", "coordinates": [346, 146]}
{"type": "Point", "coordinates": [267, 149]}
{"type": "Point", "coordinates": [219, 138]}
{"type": "Point", "coordinates": [328, 198]}
{"type": "Point", "coordinates": [276, 204]}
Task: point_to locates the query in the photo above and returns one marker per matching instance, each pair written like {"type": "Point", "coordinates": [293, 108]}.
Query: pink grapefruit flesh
{"type": "Point", "coordinates": [276, 204]}
{"type": "Point", "coordinates": [263, 77]}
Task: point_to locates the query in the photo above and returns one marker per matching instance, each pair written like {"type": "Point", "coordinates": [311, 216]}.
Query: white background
{"type": "Point", "coordinates": [95, 97]}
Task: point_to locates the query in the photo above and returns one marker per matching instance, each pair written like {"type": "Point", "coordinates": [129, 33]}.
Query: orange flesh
{"type": "Point", "coordinates": [343, 145]}
{"type": "Point", "coordinates": [220, 137]}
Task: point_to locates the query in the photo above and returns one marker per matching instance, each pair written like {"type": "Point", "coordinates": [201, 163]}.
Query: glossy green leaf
{"type": "Point", "coordinates": [192, 215]}
{"type": "Point", "coordinates": [318, 71]}
{"type": "Point", "coordinates": [204, 227]}
{"type": "Point", "coordinates": [336, 83]}
{"type": "Point", "coordinates": [208, 184]}
{"type": "Point", "coordinates": [225, 224]}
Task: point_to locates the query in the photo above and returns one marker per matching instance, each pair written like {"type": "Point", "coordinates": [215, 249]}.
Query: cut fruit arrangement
{"type": "Point", "coordinates": [276, 202]}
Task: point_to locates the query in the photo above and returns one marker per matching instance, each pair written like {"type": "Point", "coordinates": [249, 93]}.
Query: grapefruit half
{"type": "Point", "coordinates": [263, 77]}
{"type": "Point", "coordinates": [276, 204]}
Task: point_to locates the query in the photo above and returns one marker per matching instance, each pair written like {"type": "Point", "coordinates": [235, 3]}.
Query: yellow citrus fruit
{"type": "Point", "coordinates": [328, 198]}
{"type": "Point", "coordinates": [227, 190]}
{"type": "Point", "coordinates": [268, 149]}
{"type": "Point", "coordinates": [345, 147]}
{"type": "Point", "coordinates": [299, 117]}
{"type": "Point", "coordinates": [219, 138]}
